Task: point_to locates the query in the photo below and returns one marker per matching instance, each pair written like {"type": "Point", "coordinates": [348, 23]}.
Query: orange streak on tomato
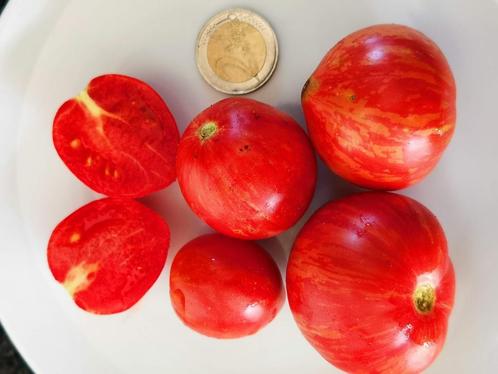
{"type": "Point", "coordinates": [352, 277]}
{"type": "Point", "coordinates": [380, 107]}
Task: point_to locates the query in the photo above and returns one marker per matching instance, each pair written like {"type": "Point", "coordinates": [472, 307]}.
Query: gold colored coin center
{"type": "Point", "coordinates": [236, 51]}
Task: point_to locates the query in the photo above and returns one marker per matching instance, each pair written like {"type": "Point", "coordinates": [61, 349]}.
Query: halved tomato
{"type": "Point", "coordinates": [118, 137]}
{"type": "Point", "coordinates": [108, 253]}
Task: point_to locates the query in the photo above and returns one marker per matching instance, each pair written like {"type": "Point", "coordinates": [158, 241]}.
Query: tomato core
{"type": "Point", "coordinates": [207, 130]}
{"type": "Point", "coordinates": [424, 298]}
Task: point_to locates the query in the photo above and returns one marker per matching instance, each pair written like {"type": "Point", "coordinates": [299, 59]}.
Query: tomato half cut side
{"type": "Point", "coordinates": [108, 253]}
{"type": "Point", "coordinates": [118, 137]}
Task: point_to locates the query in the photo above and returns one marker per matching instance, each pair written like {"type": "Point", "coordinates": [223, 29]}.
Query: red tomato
{"type": "Point", "coordinates": [380, 107]}
{"type": "Point", "coordinates": [371, 285]}
{"type": "Point", "coordinates": [108, 253]}
{"type": "Point", "coordinates": [224, 287]}
{"type": "Point", "coordinates": [118, 137]}
{"type": "Point", "coordinates": [246, 169]}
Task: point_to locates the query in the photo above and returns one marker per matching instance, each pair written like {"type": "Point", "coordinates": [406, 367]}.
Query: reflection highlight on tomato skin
{"type": "Point", "coordinates": [371, 285]}
{"type": "Point", "coordinates": [224, 287]}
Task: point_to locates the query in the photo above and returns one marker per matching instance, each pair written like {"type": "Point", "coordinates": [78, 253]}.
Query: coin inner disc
{"type": "Point", "coordinates": [236, 51]}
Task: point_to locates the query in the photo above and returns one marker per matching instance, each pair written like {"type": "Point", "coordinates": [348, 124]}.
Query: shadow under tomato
{"type": "Point", "coordinates": [276, 250]}
{"type": "Point", "coordinates": [184, 225]}
{"type": "Point", "coordinates": [329, 185]}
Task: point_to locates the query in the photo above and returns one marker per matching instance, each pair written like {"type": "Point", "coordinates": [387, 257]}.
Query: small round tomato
{"type": "Point", "coordinates": [247, 169]}
{"type": "Point", "coordinates": [118, 137]}
{"type": "Point", "coordinates": [380, 107]}
{"type": "Point", "coordinates": [371, 285]}
{"type": "Point", "coordinates": [224, 287]}
{"type": "Point", "coordinates": [108, 253]}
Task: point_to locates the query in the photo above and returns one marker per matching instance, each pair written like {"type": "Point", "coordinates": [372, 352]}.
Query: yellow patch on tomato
{"type": "Point", "coordinates": [78, 278]}
{"type": "Point", "coordinates": [75, 143]}
{"type": "Point", "coordinates": [75, 237]}
{"type": "Point", "coordinates": [93, 108]}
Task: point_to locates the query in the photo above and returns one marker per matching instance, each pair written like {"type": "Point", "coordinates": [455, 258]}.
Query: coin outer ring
{"type": "Point", "coordinates": [259, 24]}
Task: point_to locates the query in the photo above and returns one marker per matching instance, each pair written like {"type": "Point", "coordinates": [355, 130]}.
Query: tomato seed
{"type": "Point", "coordinates": [75, 143]}
{"type": "Point", "coordinates": [75, 237]}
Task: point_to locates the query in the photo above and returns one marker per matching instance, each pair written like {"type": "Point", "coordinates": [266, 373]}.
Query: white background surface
{"type": "Point", "coordinates": [50, 49]}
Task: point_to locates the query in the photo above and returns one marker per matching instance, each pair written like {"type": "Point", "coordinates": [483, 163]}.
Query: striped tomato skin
{"type": "Point", "coordinates": [371, 285]}
{"type": "Point", "coordinates": [380, 107]}
{"type": "Point", "coordinates": [246, 168]}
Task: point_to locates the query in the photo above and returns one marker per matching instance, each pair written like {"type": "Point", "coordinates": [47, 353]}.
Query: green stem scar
{"type": "Point", "coordinates": [424, 298]}
{"type": "Point", "coordinates": [207, 130]}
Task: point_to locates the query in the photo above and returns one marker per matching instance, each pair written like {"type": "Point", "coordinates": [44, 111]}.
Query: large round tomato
{"type": "Point", "coordinates": [371, 285]}
{"type": "Point", "coordinates": [247, 169]}
{"type": "Point", "coordinates": [380, 107]}
{"type": "Point", "coordinates": [224, 287]}
{"type": "Point", "coordinates": [118, 137]}
{"type": "Point", "coordinates": [108, 253]}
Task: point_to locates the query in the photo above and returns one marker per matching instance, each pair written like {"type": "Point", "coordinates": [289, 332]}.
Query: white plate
{"type": "Point", "coordinates": [48, 52]}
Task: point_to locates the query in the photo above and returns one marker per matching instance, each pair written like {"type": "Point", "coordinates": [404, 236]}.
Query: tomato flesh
{"type": "Point", "coordinates": [224, 287]}
{"type": "Point", "coordinates": [108, 253]}
{"type": "Point", "coordinates": [118, 137]}
{"type": "Point", "coordinates": [371, 285]}
{"type": "Point", "coordinates": [246, 169]}
{"type": "Point", "coordinates": [380, 107]}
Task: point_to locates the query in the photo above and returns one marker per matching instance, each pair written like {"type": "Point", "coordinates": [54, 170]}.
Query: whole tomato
{"type": "Point", "coordinates": [380, 107]}
{"type": "Point", "coordinates": [247, 169]}
{"type": "Point", "coordinates": [224, 287]}
{"type": "Point", "coordinates": [371, 285]}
